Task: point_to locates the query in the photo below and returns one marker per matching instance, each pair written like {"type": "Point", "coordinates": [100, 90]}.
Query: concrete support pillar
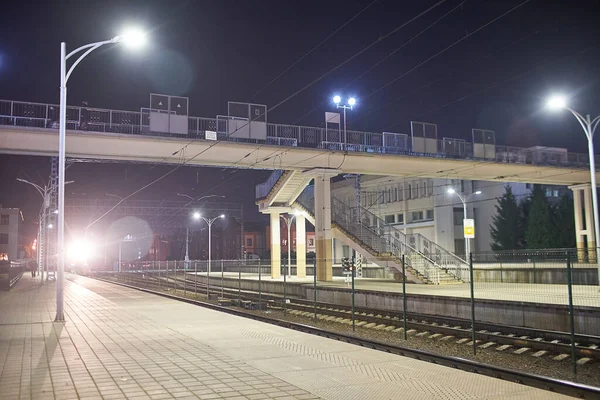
{"type": "Point", "coordinates": [300, 246]}
{"type": "Point", "coordinates": [589, 223]}
{"type": "Point", "coordinates": [584, 223]}
{"type": "Point", "coordinates": [323, 234]}
{"type": "Point", "coordinates": [275, 246]}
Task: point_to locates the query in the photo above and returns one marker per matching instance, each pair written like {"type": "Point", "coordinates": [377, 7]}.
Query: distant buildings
{"type": "Point", "coordinates": [423, 205]}
{"type": "Point", "coordinates": [11, 241]}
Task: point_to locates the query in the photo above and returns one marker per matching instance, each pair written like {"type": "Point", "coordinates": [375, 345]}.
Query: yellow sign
{"type": "Point", "coordinates": [469, 228]}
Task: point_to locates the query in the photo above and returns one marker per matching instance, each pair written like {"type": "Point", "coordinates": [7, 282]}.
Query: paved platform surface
{"type": "Point", "coordinates": [122, 343]}
{"type": "Point", "coordinates": [583, 295]}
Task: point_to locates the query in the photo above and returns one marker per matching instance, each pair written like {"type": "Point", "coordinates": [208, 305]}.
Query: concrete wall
{"type": "Point", "coordinates": [532, 315]}
{"type": "Point", "coordinates": [556, 276]}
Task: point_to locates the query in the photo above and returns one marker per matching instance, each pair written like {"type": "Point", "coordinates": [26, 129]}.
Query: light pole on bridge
{"type": "Point", "coordinates": [351, 103]}
{"type": "Point", "coordinates": [130, 38]}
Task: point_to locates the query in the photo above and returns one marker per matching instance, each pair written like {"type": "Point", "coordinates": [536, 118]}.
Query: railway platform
{"type": "Point", "coordinates": [120, 343]}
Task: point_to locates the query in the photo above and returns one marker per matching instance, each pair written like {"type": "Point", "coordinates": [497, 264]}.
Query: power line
{"type": "Point", "coordinates": [184, 162]}
{"type": "Point", "coordinates": [314, 48]}
{"type": "Point", "coordinates": [448, 47]}
{"type": "Point", "coordinates": [387, 57]}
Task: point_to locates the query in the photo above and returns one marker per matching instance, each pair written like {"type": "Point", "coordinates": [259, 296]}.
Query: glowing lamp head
{"type": "Point", "coordinates": [132, 38]}
{"type": "Point", "coordinates": [196, 215]}
{"type": "Point", "coordinates": [478, 192]}
{"type": "Point", "coordinates": [222, 216]}
{"type": "Point", "coordinates": [556, 102]}
{"type": "Point", "coordinates": [451, 191]}
{"type": "Point", "coordinates": [337, 99]}
{"type": "Point", "coordinates": [50, 226]}
{"type": "Point", "coordinates": [351, 101]}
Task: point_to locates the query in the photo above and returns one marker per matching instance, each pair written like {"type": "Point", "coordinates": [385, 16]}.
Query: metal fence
{"type": "Point", "coordinates": [39, 115]}
{"type": "Point", "coordinates": [534, 298]}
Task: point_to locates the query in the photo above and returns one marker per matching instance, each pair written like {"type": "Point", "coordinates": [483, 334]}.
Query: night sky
{"type": "Point", "coordinates": [232, 50]}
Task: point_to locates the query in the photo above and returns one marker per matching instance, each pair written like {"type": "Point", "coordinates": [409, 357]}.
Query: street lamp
{"type": "Point", "coordinates": [465, 200]}
{"type": "Point", "coordinates": [209, 221]}
{"type": "Point", "coordinates": [589, 125]}
{"type": "Point", "coordinates": [351, 103]}
{"type": "Point", "coordinates": [187, 235]}
{"type": "Point", "coordinates": [131, 38]}
{"type": "Point", "coordinates": [45, 193]}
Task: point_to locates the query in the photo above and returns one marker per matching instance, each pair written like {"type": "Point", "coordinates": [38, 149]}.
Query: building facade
{"type": "Point", "coordinates": [11, 243]}
{"type": "Point", "coordinates": [424, 206]}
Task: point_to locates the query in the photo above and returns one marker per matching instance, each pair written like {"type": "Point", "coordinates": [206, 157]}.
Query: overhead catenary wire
{"type": "Point", "coordinates": [386, 57]}
{"type": "Point", "coordinates": [185, 162]}
{"type": "Point", "coordinates": [314, 48]}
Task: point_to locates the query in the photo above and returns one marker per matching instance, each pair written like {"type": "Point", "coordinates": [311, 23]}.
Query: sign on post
{"type": "Point", "coordinates": [469, 228]}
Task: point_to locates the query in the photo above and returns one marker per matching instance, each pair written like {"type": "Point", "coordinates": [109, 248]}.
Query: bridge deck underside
{"type": "Point", "coordinates": [108, 146]}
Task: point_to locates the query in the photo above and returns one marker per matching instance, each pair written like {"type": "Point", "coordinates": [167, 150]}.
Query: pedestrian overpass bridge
{"type": "Point", "coordinates": [113, 135]}
{"type": "Point", "coordinates": [299, 155]}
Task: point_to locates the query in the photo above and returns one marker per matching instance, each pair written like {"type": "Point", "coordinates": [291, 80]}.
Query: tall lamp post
{"type": "Point", "coordinates": [187, 232]}
{"type": "Point", "coordinates": [130, 38]}
{"type": "Point", "coordinates": [465, 200]}
{"type": "Point", "coordinates": [45, 193]}
{"type": "Point", "coordinates": [589, 125]}
{"type": "Point", "coordinates": [197, 216]}
{"type": "Point", "coordinates": [351, 103]}
{"type": "Point", "coordinates": [289, 220]}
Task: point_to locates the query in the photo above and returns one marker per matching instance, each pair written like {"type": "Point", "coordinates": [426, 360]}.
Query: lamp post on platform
{"type": "Point", "coordinates": [465, 200]}
{"type": "Point", "coordinates": [130, 38]}
{"type": "Point", "coordinates": [209, 221]}
{"type": "Point", "coordinates": [589, 125]}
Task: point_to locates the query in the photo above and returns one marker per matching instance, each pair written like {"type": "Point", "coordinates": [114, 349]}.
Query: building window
{"type": "Point", "coordinates": [382, 197]}
{"type": "Point", "coordinates": [390, 219]}
{"type": "Point", "coordinates": [409, 192]}
{"type": "Point", "coordinates": [459, 246]}
{"type": "Point", "coordinates": [415, 193]}
{"type": "Point", "coordinates": [529, 186]}
{"type": "Point", "coordinates": [3, 238]}
{"type": "Point", "coordinates": [400, 193]}
{"type": "Point", "coordinates": [458, 216]}
{"type": "Point", "coordinates": [424, 189]}
{"type": "Point", "coordinates": [395, 194]}
{"type": "Point", "coordinates": [417, 216]}
{"type": "Point", "coordinates": [400, 218]}
{"type": "Point", "coordinates": [345, 251]}
{"type": "Point", "coordinates": [4, 219]}
{"type": "Point", "coordinates": [388, 195]}
{"type": "Point", "coordinates": [249, 242]}
{"type": "Point", "coordinates": [430, 188]}
{"type": "Point", "coordinates": [555, 193]}
{"type": "Point", "coordinates": [429, 215]}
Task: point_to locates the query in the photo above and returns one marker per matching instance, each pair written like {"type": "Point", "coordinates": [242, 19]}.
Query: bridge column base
{"type": "Point", "coordinates": [275, 246]}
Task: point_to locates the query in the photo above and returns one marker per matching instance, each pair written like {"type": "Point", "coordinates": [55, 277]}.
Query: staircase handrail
{"type": "Point", "coordinates": [263, 189]}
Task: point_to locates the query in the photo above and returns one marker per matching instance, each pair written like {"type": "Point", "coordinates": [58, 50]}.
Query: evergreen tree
{"type": "Point", "coordinates": [505, 228]}
{"type": "Point", "coordinates": [524, 207]}
{"type": "Point", "coordinates": [539, 234]}
{"type": "Point", "coordinates": [564, 223]}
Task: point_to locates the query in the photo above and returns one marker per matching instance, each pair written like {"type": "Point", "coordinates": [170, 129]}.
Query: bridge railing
{"type": "Point", "coordinates": [39, 115]}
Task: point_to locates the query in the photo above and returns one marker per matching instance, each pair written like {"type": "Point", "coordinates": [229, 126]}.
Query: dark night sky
{"type": "Point", "coordinates": [215, 51]}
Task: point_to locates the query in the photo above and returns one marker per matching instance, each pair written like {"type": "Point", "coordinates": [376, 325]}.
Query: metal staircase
{"type": "Point", "coordinates": [426, 261]}
{"type": "Point", "coordinates": [385, 243]}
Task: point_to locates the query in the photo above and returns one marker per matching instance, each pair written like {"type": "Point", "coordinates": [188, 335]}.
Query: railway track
{"type": "Point", "coordinates": [518, 340]}
{"type": "Point", "coordinates": [542, 382]}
